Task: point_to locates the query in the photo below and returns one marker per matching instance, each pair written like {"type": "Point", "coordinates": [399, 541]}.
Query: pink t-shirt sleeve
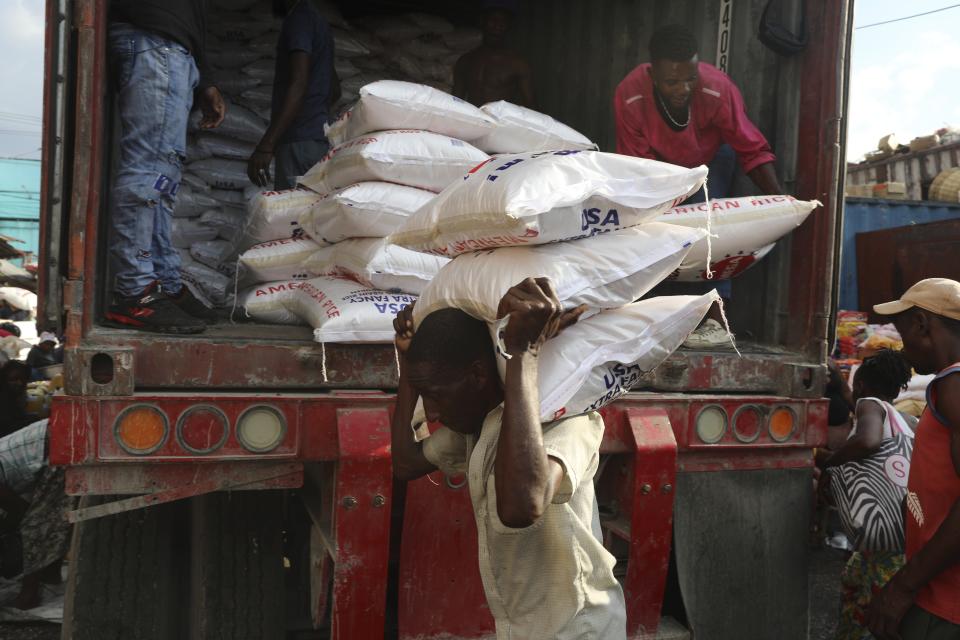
{"type": "Point", "coordinates": [740, 133]}
{"type": "Point", "coordinates": [631, 140]}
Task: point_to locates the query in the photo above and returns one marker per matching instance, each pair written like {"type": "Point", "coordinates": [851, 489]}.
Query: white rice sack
{"type": "Point", "coordinates": [278, 214]}
{"type": "Point", "coordinates": [277, 260]}
{"type": "Point", "coordinates": [194, 182]}
{"type": "Point", "coordinates": [345, 68]}
{"type": "Point", "coordinates": [427, 49]}
{"type": "Point", "coordinates": [414, 158]}
{"type": "Point", "coordinates": [463, 39]}
{"type": "Point", "coordinates": [430, 23]}
{"type": "Point", "coordinates": [227, 220]}
{"type": "Point", "coordinates": [234, 198]}
{"type": "Point", "coordinates": [216, 254]}
{"type": "Point", "coordinates": [211, 144]}
{"type": "Point", "coordinates": [264, 70]}
{"type": "Point", "coordinates": [331, 13]}
{"type": "Point", "coordinates": [347, 45]}
{"type": "Point", "coordinates": [209, 285]}
{"type": "Point", "coordinates": [745, 230]}
{"type": "Point", "coordinates": [231, 58]}
{"type": "Point", "coordinates": [606, 271]}
{"type": "Point", "coordinates": [187, 231]}
{"type": "Point", "coordinates": [393, 104]}
{"type": "Point", "coordinates": [191, 203]}
{"type": "Point", "coordinates": [238, 29]}
{"type": "Point", "coordinates": [537, 198]}
{"type": "Point", "coordinates": [19, 298]}
{"type": "Point", "coordinates": [519, 129]}
{"type": "Point", "coordinates": [221, 173]}
{"type": "Point", "coordinates": [234, 5]}
{"type": "Point", "coordinates": [341, 310]}
{"type": "Point", "coordinates": [597, 360]}
{"type": "Point", "coordinates": [232, 82]}
{"type": "Point", "coordinates": [185, 257]}
{"type": "Point", "coordinates": [363, 210]}
{"type": "Point", "coordinates": [376, 264]}
{"type": "Point", "coordinates": [394, 28]}
{"type": "Point", "coordinates": [265, 302]}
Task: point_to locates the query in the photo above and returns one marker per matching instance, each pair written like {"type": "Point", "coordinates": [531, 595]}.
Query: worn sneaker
{"type": "Point", "coordinates": [193, 305]}
{"type": "Point", "coordinates": [152, 311]}
{"type": "Point", "coordinates": [709, 335]}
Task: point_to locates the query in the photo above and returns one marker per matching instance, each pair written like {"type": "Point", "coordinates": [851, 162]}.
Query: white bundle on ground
{"type": "Point", "coordinates": [537, 198]}
{"type": "Point", "coordinates": [597, 360]}
{"type": "Point", "coordinates": [744, 230]}
{"type": "Point", "coordinates": [222, 173]}
{"type": "Point", "coordinates": [277, 260]}
{"type": "Point", "coordinates": [519, 129]}
{"type": "Point", "coordinates": [187, 231]}
{"type": "Point", "coordinates": [392, 104]}
{"type": "Point", "coordinates": [419, 159]}
{"type": "Point", "coordinates": [363, 210]}
{"type": "Point", "coordinates": [215, 287]}
{"type": "Point", "coordinates": [604, 272]}
{"type": "Point", "coordinates": [341, 310]}
{"type": "Point", "coordinates": [191, 203]}
{"type": "Point", "coordinates": [278, 214]}
{"type": "Point", "coordinates": [265, 302]}
{"type": "Point", "coordinates": [375, 263]}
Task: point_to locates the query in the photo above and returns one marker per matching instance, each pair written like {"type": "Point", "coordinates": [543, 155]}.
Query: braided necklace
{"type": "Point", "coordinates": [678, 125]}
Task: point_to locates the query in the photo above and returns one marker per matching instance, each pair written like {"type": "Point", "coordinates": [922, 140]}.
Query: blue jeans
{"type": "Point", "coordinates": [720, 178]}
{"type": "Point", "coordinates": [155, 79]}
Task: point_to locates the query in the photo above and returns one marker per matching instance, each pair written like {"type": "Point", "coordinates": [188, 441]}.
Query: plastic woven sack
{"type": "Point", "coordinates": [278, 214]}
{"type": "Point", "coordinates": [519, 129]}
{"type": "Point", "coordinates": [363, 210]}
{"type": "Point", "coordinates": [375, 263]}
{"type": "Point", "coordinates": [265, 302]}
{"type": "Point", "coordinates": [277, 260]}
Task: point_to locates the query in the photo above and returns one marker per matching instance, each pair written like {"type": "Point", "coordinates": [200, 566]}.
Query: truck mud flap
{"type": "Point", "coordinates": [740, 539]}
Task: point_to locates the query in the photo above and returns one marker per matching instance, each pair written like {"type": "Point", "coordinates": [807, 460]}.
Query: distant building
{"type": "Point", "coordinates": [20, 202]}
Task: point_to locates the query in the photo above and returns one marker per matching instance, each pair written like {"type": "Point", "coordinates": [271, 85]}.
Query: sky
{"type": "Point", "coordinates": [904, 75]}
{"type": "Point", "coordinates": [903, 81]}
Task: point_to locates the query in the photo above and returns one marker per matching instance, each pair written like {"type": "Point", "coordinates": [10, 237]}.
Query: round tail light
{"type": "Point", "coordinates": [711, 424]}
{"type": "Point", "coordinates": [783, 422]}
{"type": "Point", "coordinates": [141, 429]}
{"type": "Point", "coordinates": [202, 429]}
{"type": "Point", "coordinates": [747, 423]}
{"type": "Point", "coordinates": [261, 429]}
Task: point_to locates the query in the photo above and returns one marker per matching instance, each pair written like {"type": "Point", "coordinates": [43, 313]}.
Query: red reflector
{"type": "Point", "coordinates": [747, 423]}
{"type": "Point", "coordinates": [202, 429]}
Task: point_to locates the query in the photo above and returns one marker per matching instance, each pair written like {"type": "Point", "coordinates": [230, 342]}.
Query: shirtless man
{"type": "Point", "coordinates": [493, 72]}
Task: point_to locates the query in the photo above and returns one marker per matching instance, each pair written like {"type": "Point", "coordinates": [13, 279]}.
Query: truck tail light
{"type": "Point", "coordinates": [783, 422]}
{"type": "Point", "coordinates": [261, 428]}
{"type": "Point", "coordinates": [711, 424]}
{"type": "Point", "coordinates": [202, 429]}
{"type": "Point", "coordinates": [141, 429]}
{"type": "Point", "coordinates": [747, 423]}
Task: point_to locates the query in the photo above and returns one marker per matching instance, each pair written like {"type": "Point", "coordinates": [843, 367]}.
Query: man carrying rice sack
{"type": "Point", "coordinates": [531, 484]}
{"type": "Point", "coordinates": [305, 87]}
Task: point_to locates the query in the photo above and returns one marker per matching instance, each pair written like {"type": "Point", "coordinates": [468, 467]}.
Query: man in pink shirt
{"type": "Point", "coordinates": [686, 112]}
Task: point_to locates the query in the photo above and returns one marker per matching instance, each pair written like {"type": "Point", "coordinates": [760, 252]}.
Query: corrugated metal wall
{"type": "Point", "coordinates": [861, 215]}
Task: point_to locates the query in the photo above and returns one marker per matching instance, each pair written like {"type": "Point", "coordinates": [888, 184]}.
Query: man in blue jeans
{"type": "Point", "coordinates": [154, 48]}
{"type": "Point", "coordinates": [305, 87]}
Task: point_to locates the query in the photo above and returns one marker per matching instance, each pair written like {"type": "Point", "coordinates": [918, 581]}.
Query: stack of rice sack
{"type": "Point", "coordinates": [391, 153]}
{"type": "Point", "coordinates": [587, 221]}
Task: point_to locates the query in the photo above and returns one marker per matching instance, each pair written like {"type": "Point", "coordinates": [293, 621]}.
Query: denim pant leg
{"type": "Point", "coordinates": [155, 82]}
{"type": "Point", "coordinates": [720, 179]}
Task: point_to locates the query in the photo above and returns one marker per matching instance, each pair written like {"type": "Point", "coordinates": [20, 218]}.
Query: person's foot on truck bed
{"type": "Point", "coordinates": [152, 311]}
{"type": "Point", "coordinates": [709, 335]}
{"type": "Point", "coordinates": [193, 305]}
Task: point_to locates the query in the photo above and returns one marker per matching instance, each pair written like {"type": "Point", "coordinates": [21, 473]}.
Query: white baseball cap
{"type": "Point", "coordinates": [937, 295]}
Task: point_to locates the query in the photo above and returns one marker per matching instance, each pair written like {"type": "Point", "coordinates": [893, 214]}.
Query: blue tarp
{"type": "Point", "coordinates": [20, 202]}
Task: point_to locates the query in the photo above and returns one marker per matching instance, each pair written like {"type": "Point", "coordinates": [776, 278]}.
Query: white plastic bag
{"type": "Point", "coordinates": [519, 129]}
{"type": "Point", "coordinates": [414, 158]}
{"type": "Point", "coordinates": [376, 264]}
{"type": "Point", "coordinates": [745, 230]}
{"type": "Point", "coordinates": [597, 360]}
{"type": "Point", "coordinates": [19, 298]}
{"type": "Point", "coordinates": [278, 214]}
{"type": "Point", "coordinates": [341, 310]}
{"type": "Point", "coordinates": [393, 104]}
{"type": "Point", "coordinates": [277, 260]}
{"type": "Point", "coordinates": [216, 254]}
{"type": "Point", "coordinates": [187, 231]}
{"type": "Point", "coordinates": [604, 271]}
{"type": "Point", "coordinates": [363, 210]}
{"type": "Point", "coordinates": [227, 221]}
{"type": "Point", "coordinates": [222, 174]}
{"type": "Point", "coordinates": [191, 203]}
{"type": "Point", "coordinates": [536, 198]}
{"type": "Point", "coordinates": [265, 302]}
{"type": "Point", "coordinates": [239, 123]}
